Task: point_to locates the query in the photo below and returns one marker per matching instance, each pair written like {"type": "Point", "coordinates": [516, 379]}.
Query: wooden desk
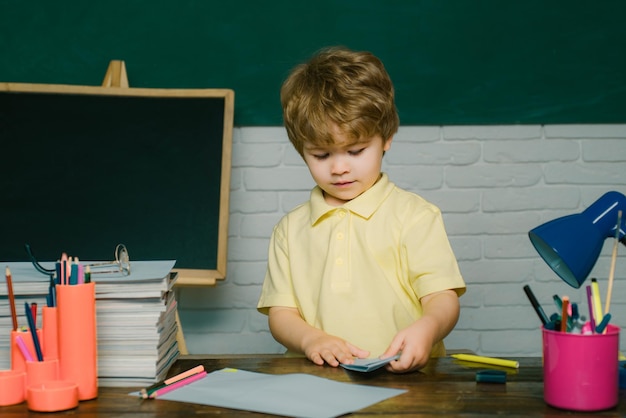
{"type": "Point", "coordinates": [446, 386]}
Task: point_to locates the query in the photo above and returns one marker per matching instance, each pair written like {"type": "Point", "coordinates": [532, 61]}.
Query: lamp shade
{"type": "Point", "coordinates": [571, 245]}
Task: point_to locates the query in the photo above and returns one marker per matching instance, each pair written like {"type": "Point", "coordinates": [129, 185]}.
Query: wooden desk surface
{"type": "Point", "coordinates": [445, 386]}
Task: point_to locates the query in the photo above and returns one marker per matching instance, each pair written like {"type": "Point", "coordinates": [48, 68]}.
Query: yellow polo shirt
{"type": "Point", "coordinates": [358, 271]}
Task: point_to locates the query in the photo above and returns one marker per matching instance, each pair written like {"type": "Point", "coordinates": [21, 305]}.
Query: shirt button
{"type": "Point", "coordinates": [340, 235]}
{"type": "Point", "coordinates": [339, 261]}
{"type": "Point", "coordinates": [341, 213]}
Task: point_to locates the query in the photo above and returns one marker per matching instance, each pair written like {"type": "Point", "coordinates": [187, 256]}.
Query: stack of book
{"type": "Point", "coordinates": [135, 316]}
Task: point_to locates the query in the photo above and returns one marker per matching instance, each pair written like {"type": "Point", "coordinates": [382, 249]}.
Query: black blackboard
{"type": "Point", "coordinates": [453, 61]}
{"type": "Point", "coordinates": [86, 168]}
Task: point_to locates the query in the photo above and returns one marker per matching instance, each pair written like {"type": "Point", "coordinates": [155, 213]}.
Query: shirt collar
{"type": "Point", "coordinates": [364, 205]}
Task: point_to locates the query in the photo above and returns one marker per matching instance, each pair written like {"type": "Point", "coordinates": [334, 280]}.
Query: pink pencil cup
{"type": "Point", "coordinates": [581, 372]}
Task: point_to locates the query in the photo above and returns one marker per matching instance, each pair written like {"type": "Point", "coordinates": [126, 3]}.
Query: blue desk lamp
{"type": "Point", "coordinates": [571, 245]}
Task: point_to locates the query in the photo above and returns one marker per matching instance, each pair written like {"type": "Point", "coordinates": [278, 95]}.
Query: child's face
{"type": "Point", "coordinates": [345, 169]}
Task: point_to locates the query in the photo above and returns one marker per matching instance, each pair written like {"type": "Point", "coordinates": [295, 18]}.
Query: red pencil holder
{"type": "Point", "coordinates": [76, 324]}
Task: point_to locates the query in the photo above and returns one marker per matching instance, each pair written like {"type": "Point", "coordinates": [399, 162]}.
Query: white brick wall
{"type": "Point", "coordinates": [492, 183]}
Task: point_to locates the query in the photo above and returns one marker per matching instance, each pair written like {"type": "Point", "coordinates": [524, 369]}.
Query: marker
{"type": "Point", "coordinates": [487, 360]}
{"type": "Point", "coordinates": [178, 384]}
{"type": "Point", "coordinates": [22, 346]}
{"type": "Point", "coordinates": [533, 301]}
{"type": "Point", "coordinates": [592, 320]}
{"type": "Point", "coordinates": [597, 303]}
{"type": "Point", "coordinates": [602, 325]}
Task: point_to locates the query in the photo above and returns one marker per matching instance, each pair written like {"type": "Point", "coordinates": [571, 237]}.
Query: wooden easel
{"type": "Point", "coordinates": [116, 76]}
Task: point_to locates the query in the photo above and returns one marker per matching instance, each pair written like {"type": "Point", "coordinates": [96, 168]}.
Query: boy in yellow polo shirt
{"type": "Point", "coordinates": [363, 269]}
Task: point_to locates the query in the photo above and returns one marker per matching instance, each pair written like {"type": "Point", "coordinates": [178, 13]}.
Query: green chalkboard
{"type": "Point", "coordinates": [452, 61]}
{"type": "Point", "coordinates": [86, 168]}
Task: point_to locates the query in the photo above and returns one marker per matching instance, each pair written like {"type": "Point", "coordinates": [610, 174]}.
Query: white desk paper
{"type": "Point", "coordinates": [293, 395]}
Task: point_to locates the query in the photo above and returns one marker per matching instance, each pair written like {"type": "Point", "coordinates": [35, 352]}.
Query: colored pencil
{"type": "Point", "coordinates": [7, 273]}
{"type": "Point", "coordinates": [179, 384]}
{"type": "Point", "coordinates": [609, 289]}
{"type": "Point", "coordinates": [486, 360]}
{"type": "Point", "coordinates": [146, 392]}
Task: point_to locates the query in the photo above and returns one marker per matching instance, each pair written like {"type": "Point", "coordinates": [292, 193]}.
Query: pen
{"type": "Point", "coordinates": [146, 392]}
{"type": "Point", "coordinates": [22, 346]}
{"type": "Point", "coordinates": [533, 301]}
{"type": "Point", "coordinates": [178, 384]}
{"type": "Point", "coordinates": [7, 273]}
{"type": "Point", "coordinates": [487, 360]}
{"type": "Point", "coordinates": [33, 331]}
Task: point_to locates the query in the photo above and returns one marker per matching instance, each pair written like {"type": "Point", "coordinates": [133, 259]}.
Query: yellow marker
{"type": "Point", "coordinates": [487, 360]}
{"type": "Point", "coordinates": [597, 303]}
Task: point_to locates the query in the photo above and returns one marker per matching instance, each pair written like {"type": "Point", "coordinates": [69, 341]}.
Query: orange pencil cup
{"type": "Point", "coordinates": [76, 323]}
{"type": "Point", "coordinates": [11, 387]}
{"type": "Point", "coordinates": [52, 396]}
{"type": "Point", "coordinates": [41, 371]}
{"type": "Point", "coordinates": [50, 333]}
{"type": "Point", "coordinates": [18, 359]}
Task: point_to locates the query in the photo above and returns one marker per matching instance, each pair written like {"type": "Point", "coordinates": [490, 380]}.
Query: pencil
{"type": "Point", "coordinates": [609, 289]}
{"type": "Point", "coordinates": [487, 360]}
{"type": "Point", "coordinates": [178, 384]}
{"type": "Point", "coordinates": [146, 392]}
{"type": "Point", "coordinates": [564, 313]}
{"type": "Point", "coordinates": [7, 273]}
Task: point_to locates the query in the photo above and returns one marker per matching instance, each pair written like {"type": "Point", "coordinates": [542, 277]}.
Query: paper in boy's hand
{"type": "Point", "coordinates": [368, 364]}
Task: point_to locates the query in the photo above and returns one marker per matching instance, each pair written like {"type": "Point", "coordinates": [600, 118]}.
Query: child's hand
{"type": "Point", "coordinates": [415, 343]}
{"type": "Point", "coordinates": [332, 350]}
{"type": "Point", "coordinates": [440, 313]}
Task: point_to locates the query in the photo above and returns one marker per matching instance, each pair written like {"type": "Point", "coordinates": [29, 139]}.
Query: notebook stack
{"type": "Point", "coordinates": [135, 315]}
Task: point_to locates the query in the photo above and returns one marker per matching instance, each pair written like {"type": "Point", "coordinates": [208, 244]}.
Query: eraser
{"type": "Point", "coordinates": [491, 376]}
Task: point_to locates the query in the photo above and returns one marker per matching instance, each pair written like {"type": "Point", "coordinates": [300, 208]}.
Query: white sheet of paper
{"type": "Point", "coordinates": [294, 395]}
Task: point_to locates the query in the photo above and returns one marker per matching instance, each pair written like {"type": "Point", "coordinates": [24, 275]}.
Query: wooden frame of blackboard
{"type": "Point", "coordinates": [186, 276]}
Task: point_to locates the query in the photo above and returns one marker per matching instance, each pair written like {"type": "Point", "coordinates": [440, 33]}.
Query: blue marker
{"type": "Point", "coordinates": [602, 325]}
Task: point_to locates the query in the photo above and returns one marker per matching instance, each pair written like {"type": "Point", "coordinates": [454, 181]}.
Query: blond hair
{"type": "Point", "coordinates": [349, 89]}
